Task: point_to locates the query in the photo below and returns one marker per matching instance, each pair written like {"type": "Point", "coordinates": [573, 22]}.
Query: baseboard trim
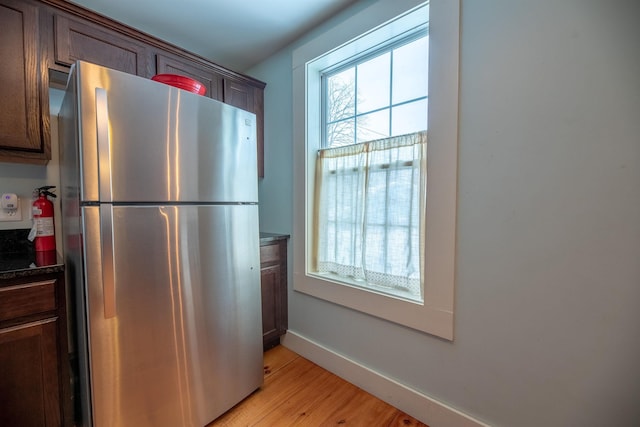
{"type": "Point", "coordinates": [408, 400]}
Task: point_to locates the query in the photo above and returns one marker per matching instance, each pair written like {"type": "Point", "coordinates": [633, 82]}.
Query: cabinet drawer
{"type": "Point", "coordinates": [269, 254]}
{"type": "Point", "coordinates": [30, 298]}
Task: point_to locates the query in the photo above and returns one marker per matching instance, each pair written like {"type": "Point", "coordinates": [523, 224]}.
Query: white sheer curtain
{"type": "Point", "coordinates": [369, 213]}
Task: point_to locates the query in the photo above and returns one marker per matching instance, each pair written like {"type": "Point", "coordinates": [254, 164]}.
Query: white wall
{"type": "Point", "coordinates": [548, 244]}
{"type": "Point", "coordinates": [22, 179]}
{"type": "Point", "coordinates": [275, 189]}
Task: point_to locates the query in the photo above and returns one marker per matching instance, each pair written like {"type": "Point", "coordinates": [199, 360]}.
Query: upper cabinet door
{"type": "Point", "coordinates": [205, 75]}
{"type": "Point", "coordinates": [23, 113]}
{"type": "Point", "coordinates": [239, 95]}
{"type": "Point", "coordinates": [75, 39]}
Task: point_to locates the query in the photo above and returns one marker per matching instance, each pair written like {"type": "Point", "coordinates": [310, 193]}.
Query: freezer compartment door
{"type": "Point", "coordinates": [173, 312]}
{"type": "Point", "coordinates": [144, 141]}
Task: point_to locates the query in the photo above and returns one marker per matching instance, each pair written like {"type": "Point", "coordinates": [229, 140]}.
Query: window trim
{"type": "Point", "coordinates": [435, 316]}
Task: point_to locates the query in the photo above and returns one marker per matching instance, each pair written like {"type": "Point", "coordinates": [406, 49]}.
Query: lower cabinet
{"type": "Point", "coordinates": [34, 375]}
{"type": "Point", "coordinates": [273, 277]}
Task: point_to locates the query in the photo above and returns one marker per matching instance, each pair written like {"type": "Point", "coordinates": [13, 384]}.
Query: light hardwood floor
{"type": "Point", "coordinates": [297, 392]}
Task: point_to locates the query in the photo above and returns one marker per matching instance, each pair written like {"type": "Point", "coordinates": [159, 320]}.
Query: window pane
{"type": "Point", "coordinates": [341, 95]}
{"type": "Point", "coordinates": [341, 133]}
{"type": "Point", "coordinates": [373, 126]}
{"type": "Point", "coordinates": [409, 118]}
{"type": "Point", "coordinates": [410, 70]}
{"type": "Point", "coordinates": [374, 78]}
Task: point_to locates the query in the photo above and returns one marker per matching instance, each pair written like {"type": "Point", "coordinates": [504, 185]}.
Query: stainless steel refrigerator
{"type": "Point", "coordinates": [160, 221]}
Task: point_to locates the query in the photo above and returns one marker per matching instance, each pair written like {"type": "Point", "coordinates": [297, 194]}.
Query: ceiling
{"type": "Point", "coordinates": [236, 34]}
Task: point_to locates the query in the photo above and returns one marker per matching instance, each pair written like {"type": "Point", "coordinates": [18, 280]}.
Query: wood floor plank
{"type": "Point", "coordinates": [297, 392]}
{"type": "Point", "coordinates": [276, 389]}
{"type": "Point", "coordinates": [325, 410]}
{"type": "Point", "coordinates": [403, 420]}
{"type": "Point", "coordinates": [363, 410]}
{"type": "Point", "coordinates": [276, 359]}
{"type": "Point", "coordinates": [309, 406]}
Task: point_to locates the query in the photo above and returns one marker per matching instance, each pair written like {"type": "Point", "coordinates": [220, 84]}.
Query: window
{"type": "Point", "coordinates": [370, 185]}
{"type": "Point", "coordinates": [361, 122]}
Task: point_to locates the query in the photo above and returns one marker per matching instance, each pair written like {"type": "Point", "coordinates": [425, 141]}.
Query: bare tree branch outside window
{"type": "Point", "coordinates": [341, 102]}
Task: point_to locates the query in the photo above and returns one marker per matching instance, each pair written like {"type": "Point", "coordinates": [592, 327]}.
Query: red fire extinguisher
{"type": "Point", "coordinates": [42, 209]}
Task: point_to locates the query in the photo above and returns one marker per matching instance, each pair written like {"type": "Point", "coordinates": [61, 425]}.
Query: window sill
{"type": "Point", "coordinates": [424, 317]}
{"type": "Point", "coordinates": [363, 286]}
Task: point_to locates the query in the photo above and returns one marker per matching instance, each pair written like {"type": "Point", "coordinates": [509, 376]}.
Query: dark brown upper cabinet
{"type": "Point", "coordinates": [80, 40]}
{"type": "Point", "coordinates": [49, 35]}
{"type": "Point", "coordinates": [239, 94]}
{"type": "Point", "coordinates": [24, 111]}
{"type": "Point", "coordinates": [206, 75]}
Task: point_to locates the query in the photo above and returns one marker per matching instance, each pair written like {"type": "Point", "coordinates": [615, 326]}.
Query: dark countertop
{"type": "Point", "coordinates": [30, 263]}
{"type": "Point", "coordinates": [19, 259]}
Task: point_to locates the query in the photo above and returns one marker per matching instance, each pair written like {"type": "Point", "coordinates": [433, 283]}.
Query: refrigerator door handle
{"type": "Point", "coordinates": [108, 276]}
{"type": "Point", "coordinates": [104, 145]}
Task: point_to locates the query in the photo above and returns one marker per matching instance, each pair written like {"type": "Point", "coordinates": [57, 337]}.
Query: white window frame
{"type": "Point", "coordinates": [352, 36]}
